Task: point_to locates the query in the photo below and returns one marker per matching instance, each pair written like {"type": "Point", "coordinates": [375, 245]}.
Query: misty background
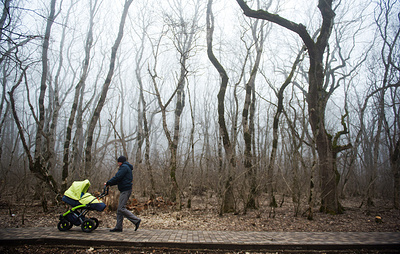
{"type": "Point", "coordinates": [84, 82]}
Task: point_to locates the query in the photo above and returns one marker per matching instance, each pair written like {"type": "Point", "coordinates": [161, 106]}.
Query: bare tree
{"type": "Point", "coordinates": [74, 107]}
{"type": "Point", "coordinates": [275, 127]}
{"type": "Point", "coordinates": [14, 62]}
{"type": "Point", "coordinates": [317, 96]}
{"type": "Point", "coordinates": [39, 162]}
{"type": "Point", "coordinates": [258, 31]}
{"type": "Point", "coordinates": [96, 114]}
{"type": "Point", "coordinates": [183, 34]}
{"type": "Point", "coordinates": [4, 106]}
{"type": "Point", "coordinates": [387, 20]}
{"type": "Point", "coordinates": [144, 125]}
{"type": "Point", "coordinates": [228, 202]}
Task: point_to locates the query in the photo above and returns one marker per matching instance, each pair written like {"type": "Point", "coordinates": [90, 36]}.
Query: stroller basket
{"type": "Point", "coordinates": [74, 218]}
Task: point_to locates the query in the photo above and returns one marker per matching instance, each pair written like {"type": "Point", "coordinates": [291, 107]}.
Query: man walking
{"type": "Point", "coordinates": [123, 178]}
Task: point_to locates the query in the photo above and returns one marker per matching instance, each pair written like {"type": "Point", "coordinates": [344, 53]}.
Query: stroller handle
{"type": "Point", "coordinates": [105, 192]}
{"type": "Point", "coordinates": [102, 195]}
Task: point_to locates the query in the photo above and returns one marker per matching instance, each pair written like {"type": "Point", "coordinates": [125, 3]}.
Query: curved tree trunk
{"type": "Point", "coordinates": [42, 150]}
{"type": "Point", "coordinates": [144, 127]}
{"type": "Point", "coordinates": [228, 204]}
{"type": "Point", "coordinates": [275, 129]}
{"type": "Point", "coordinates": [247, 130]}
{"type": "Point", "coordinates": [71, 120]}
{"type": "Point", "coordinates": [96, 114]}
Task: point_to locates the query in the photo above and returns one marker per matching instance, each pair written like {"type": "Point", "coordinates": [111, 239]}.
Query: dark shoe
{"type": "Point", "coordinates": [115, 230]}
{"type": "Point", "coordinates": [137, 225]}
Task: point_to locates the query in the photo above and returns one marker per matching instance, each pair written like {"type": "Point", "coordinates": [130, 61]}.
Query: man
{"type": "Point", "coordinates": [123, 178]}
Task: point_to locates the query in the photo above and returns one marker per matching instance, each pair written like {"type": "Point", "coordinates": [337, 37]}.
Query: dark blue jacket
{"type": "Point", "coordinates": [123, 177]}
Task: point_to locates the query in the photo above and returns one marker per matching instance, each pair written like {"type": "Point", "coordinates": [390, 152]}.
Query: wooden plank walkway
{"type": "Point", "coordinates": [223, 240]}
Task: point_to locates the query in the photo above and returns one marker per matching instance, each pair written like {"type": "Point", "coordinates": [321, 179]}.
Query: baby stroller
{"type": "Point", "coordinates": [82, 202]}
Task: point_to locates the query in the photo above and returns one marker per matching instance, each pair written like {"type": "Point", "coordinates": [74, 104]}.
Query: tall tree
{"type": "Point", "coordinates": [85, 67]}
{"type": "Point", "coordinates": [143, 127]}
{"type": "Point", "coordinates": [275, 128]}
{"type": "Point", "coordinates": [39, 162]}
{"type": "Point", "coordinates": [317, 96]}
{"type": "Point", "coordinates": [259, 35]}
{"type": "Point", "coordinates": [387, 21]}
{"type": "Point", "coordinates": [96, 114]}
{"type": "Point", "coordinates": [184, 33]}
{"type": "Point", "coordinates": [228, 202]}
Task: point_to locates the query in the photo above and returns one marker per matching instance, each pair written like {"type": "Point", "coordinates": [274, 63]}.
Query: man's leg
{"type": "Point", "coordinates": [121, 203]}
{"type": "Point", "coordinates": [123, 212]}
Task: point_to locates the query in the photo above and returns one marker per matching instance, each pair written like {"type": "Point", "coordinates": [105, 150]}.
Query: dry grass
{"type": "Point", "coordinates": [204, 216]}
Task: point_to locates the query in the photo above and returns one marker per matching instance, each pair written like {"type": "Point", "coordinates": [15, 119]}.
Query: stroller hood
{"type": "Point", "coordinates": [78, 190]}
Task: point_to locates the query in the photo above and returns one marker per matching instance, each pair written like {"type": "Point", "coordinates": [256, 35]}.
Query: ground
{"type": "Point", "coordinates": [203, 216]}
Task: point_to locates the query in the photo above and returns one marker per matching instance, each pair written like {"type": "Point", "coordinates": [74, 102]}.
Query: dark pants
{"type": "Point", "coordinates": [123, 212]}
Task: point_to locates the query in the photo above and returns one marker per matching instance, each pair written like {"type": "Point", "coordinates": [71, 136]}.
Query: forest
{"type": "Point", "coordinates": [247, 101]}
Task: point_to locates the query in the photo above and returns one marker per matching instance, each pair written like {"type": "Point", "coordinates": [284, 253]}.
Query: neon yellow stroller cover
{"type": "Point", "coordinates": [78, 192]}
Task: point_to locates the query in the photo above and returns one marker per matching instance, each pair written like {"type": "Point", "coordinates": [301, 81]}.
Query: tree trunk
{"type": "Point", "coordinates": [248, 118]}
{"type": "Point", "coordinates": [5, 13]}
{"type": "Point", "coordinates": [71, 120]}
{"type": "Point", "coordinates": [144, 128]}
{"type": "Point", "coordinates": [39, 143]}
{"type": "Point", "coordinates": [275, 127]}
{"type": "Point", "coordinates": [387, 16]}
{"type": "Point", "coordinates": [96, 114]}
{"type": "Point", "coordinates": [38, 170]}
{"type": "Point", "coordinates": [395, 165]}
{"type": "Point", "coordinates": [39, 163]}
{"type": "Point", "coordinates": [316, 110]}
{"type": "Point", "coordinates": [228, 204]}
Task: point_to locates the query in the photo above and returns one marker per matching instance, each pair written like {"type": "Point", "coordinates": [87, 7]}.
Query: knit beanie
{"type": "Point", "coordinates": [121, 159]}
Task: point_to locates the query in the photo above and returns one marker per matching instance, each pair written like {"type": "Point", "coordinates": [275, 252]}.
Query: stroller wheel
{"type": "Point", "coordinates": [96, 222]}
{"type": "Point", "coordinates": [64, 225]}
{"type": "Point", "coordinates": [88, 225]}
